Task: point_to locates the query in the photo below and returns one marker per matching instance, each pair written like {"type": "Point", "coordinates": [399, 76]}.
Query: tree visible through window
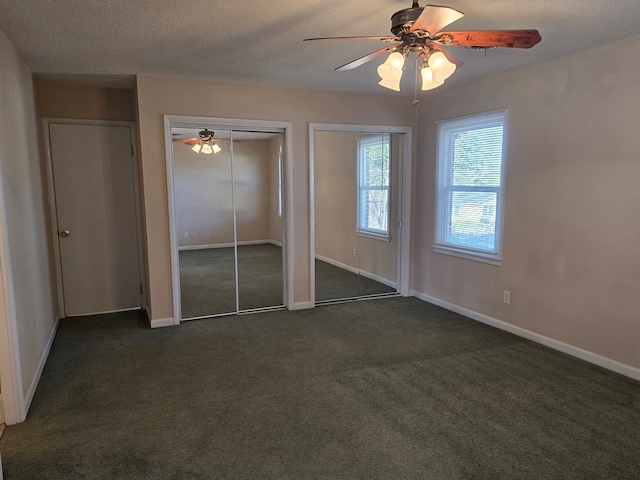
{"type": "Point", "coordinates": [373, 185]}
{"type": "Point", "coordinates": [469, 184]}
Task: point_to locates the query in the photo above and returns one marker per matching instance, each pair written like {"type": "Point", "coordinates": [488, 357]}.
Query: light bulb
{"type": "Point", "coordinates": [196, 148]}
{"type": "Point", "coordinates": [206, 149]}
{"type": "Point", "coordinates": [428, 83]}
{"type": "Point", "coordinates": [395, 60]}
{"type": "Point", "coordinates": [216, 148]}
{"type": "Point", "coordinates": [441, 66]}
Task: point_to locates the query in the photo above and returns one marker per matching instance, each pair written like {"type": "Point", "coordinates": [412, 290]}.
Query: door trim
{"type": "Point", "coordinates": [182, 121]}
{"type": "Point", "coordinates": [46, 122]}
{"type": "Point", "coordinates": [404, 203]}
{"type": "Point", "coordinates": [12, 398]}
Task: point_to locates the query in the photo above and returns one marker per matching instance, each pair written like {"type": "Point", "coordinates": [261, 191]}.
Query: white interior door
{"type": "Point", "coordinates": [93, 176]}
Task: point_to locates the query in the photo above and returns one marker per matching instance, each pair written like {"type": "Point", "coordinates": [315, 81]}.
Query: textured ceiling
{"type": "Point", "coordinates": [261, 41]}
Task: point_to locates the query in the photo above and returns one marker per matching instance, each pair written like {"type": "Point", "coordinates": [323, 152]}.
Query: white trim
{"type": "Point", "coordinates": [338, 264]}
{"type": "Point", "coordinates": [468, 255]}
{"type": "Point", "coordinates": [162, 322]}
{"type": "Point", "coordinates": [230, 124]}
{"type": "Point", "coordinates": [404, 193]}
{"type": "Point", "coordinates": [577, 352]}
{"type": "Point", "coordinates": [31, 391]}
{"type": "Point", "coordinates": [382, 237]}
{"type": "Point", "coordinates": [312, 218]}
{"type": "Point", "coordinates": [10, 366]}
{"type": "Point", "coordinates": [378, 279]}
{"type": "Point", "coordinates": [106, 312]}
{"type": "Point", "coordinates": [226, 245]}
{"type": "Point", "coordinates": [46, 122]}
{"type": "Point", "coordinates": [273, 242]}
{"type": "Point", "coordinates": [301, 306]}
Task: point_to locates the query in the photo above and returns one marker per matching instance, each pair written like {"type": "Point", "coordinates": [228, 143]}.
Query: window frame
{"type": "Point", "coordinates": [364, 142]}
{"type": "Point", "coordinates": [446, 129]}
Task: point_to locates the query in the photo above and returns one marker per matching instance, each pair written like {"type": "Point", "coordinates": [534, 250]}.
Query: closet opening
{"type": "Point", "coordinates": [226, 189]}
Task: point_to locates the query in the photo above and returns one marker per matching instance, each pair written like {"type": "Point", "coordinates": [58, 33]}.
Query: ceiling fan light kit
{"type": "Point", "coordinates": [417, 29]}
{"type": "Point", "coordinates": [205, 143]}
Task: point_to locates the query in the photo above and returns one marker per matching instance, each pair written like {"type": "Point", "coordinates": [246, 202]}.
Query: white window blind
{"type": "Point", "coordinates": [470, 164]}
{"type": "Point", "coordinates": [373, 185]}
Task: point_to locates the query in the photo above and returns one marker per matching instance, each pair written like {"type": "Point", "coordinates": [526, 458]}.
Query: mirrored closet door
{"type": "Point", "coordinates": [356, 213]}
{"type": "Point", "coordinates": [229, 219]}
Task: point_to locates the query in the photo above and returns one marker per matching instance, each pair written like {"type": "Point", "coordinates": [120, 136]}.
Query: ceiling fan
{"type": "Point", "coordinates": [417, 29]}
{"type": "Point", "coordinates": [204, 142]}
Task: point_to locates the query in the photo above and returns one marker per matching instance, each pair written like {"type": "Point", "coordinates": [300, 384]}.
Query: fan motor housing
{"type": "Point", "coordinates": [401, 21]}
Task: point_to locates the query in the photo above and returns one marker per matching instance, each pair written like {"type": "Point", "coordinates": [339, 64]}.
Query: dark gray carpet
{"type": "Point", "coordinates": [383, 389]}
{"type": "Point", "coordinates": [207, 279]}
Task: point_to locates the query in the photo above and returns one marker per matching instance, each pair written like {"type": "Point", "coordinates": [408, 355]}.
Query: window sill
{"type": "Point", "coordinates": [374, 236]}
{"type": "Point", "coordinates": [468, 255]}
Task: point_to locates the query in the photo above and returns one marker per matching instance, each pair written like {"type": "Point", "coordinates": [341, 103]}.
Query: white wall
{"type": "Point", "coordinates": [26, 218]}
{"type": "Point", "coordinates": [571, 230]}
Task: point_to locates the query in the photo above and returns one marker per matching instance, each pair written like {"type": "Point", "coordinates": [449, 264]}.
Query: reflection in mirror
{"type": "Point", "coordinates": [204, 224]}
{"type": "Point", "coordinates": [356, 193]}
{"type": "Point", "coordinates": [257, 171]}
{"type": "Point", "coordinates": [228, 202]}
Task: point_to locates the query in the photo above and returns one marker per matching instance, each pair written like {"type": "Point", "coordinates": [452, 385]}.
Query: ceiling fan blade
{"type": "Point", "coordinates": [383, 38]}
{"type": "Point", "coordinates": [437, 48]}
{"type": "Point", "coordinates": [433, 19]}
{"type": "Point", "coordinates": [490, 38]}
{"type": "Point", "coordinates": [366, 58]}
{"type": "Point", "coordinates": [188, 141]}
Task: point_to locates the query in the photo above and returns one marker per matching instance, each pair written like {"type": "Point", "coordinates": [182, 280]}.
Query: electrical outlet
{"type": "Point", "coordinates": [355, 252]}
{"type": "Point", "coordinates": [506, 297]}
{"type": "Point", "coordinates": [186, 235]}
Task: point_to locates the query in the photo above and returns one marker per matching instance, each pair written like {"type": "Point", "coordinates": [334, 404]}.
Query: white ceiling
{"type": "Point", "coordinates": [261, 41]}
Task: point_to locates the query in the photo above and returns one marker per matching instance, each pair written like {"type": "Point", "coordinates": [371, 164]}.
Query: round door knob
{"type": "Point", "coordinates": [65, 233]}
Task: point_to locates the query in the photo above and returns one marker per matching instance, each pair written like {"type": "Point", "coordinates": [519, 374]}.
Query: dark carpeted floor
{"type": "Point", "coordinates": [207, 280]}
{"type": "Point", "coordinates": [385, 389]}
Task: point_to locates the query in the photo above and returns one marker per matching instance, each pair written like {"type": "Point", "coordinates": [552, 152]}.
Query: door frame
{"type": "Point", "coordinates": [13, 408]}
{"type": "Point", "coordinates": [46, 122]}
{"type": "Point", "coordinates": [182, 121]}
{"type": "Point", "coordinates": [404, 203]}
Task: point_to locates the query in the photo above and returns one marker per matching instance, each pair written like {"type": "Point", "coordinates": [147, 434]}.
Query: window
{"type": "Point", "coordinates": [470, 165]}
{"type": "Point", "coordinates": [373, 185]}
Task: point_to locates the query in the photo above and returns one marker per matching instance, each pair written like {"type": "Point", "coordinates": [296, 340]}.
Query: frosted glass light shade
{"type": "Point", "coordinates": [428, 83]}
{"type": "Point", "coordinates": [196, 148]}
{"type": "Point", "coordinates": [216, 148]}
{"type": "Point", "coordinates": [391, 71]}
{"type": "Point", "coordinates": [391, 84]}
{"type": "Point", "coordinates": [206, 149]}
{"type": "Point", "coordinates": [441, 66]}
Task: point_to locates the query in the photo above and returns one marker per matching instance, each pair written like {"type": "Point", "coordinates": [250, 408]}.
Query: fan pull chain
{"type": "Point", "coordinates": [415, 86]}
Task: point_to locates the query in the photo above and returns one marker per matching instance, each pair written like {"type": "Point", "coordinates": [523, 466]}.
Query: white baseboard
{"type": "Point", "coordinates": [379, 279]}
{"type": "Point", "coordinates": [338, 264]}
{"type": "Point", "coordinates": [275, 242]}
{"type": "Point", "coordinates": [161, 322]}
{"type": "Point", "coordinates": [301, 306]}
{"type": "Point", "coordinates": [31, 391]}
{"type": "Point", "coordinates": [609, 364]}
{"type": "Point", "coordinates": [223, 245]}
